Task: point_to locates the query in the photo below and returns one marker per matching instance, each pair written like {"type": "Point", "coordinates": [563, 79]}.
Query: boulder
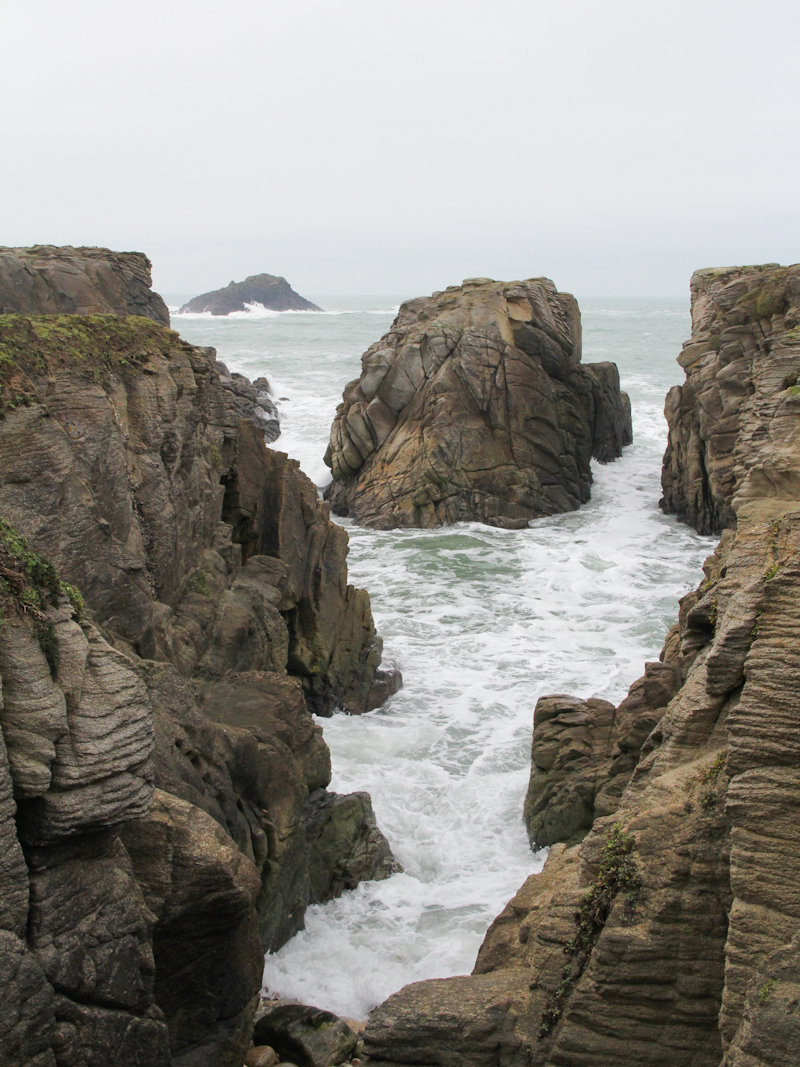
{"type": "Point", "coordinates": [475, 406]}
{"type": "Point", "coordinates": [267, 290]}
{"type": "Point", "coordinates": [51, 280]}
{"type": "Point", "coordinates": [308, 1037]}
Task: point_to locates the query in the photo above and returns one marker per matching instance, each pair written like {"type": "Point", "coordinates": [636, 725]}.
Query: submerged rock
{"type": "Point", "coordinates": [52, 280]}
{"type": "Point", "coordinates": [268, 290]}
{"type": "Point", "coordinates": [476, 406]}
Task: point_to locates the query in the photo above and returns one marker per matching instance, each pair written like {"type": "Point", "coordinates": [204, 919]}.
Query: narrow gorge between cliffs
{"type": "Point", "coordinates": [481, 622]}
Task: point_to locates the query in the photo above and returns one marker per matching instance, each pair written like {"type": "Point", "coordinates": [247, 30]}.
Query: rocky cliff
{"type": "Point", "coordinates": [175, 604]}
{"type": "Point", "coordinates": [731, 425]}
{"type": "Point", "coordinates": [663, 929]}
{"type": "Point", "coordinates": [476, 406]}
{"type": "Point", "coordinates": [268, 290]}
{"type": "Point", "coordinates": [51, 280]}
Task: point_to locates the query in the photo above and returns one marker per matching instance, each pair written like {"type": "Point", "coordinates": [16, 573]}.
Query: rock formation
{"type": "Point", "coordinates": [175, 603]}
{"type": "Point", "coordinates": [476, 406]}
{"type": "Point", "coordinates": [268, 290]}
{"type": "Point", "coordinates": [730, 441]}
{"type": "Point", "coordinates": [51, 280]}
{"type": "Point", "coordinates": [252, 400]}
{"type": "Point", "coordinates": [664, 926]}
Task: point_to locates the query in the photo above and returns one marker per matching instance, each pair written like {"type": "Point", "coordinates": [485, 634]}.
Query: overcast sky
{"type": "Point", "coordinates": [377, 147]}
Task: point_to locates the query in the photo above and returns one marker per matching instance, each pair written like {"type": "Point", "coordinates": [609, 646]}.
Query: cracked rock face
{"type": "Point", "coordinates": [734, 423]}
{"type": "Point", "coordinates": [699, 765]}
{"type": "Point", "coordinates": [164, 816]}
{"type": "Point", "coordinates": [475, 406]}
{"type": "Point", "coordinates": [52, 280]}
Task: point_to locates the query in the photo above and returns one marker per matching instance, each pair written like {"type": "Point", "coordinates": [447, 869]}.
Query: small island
{"type": "Point", "coordinates": [272, 292]}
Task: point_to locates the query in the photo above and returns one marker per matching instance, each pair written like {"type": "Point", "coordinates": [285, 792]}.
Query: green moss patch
{"type": "Point", "coordinates": [29, 584]}
{"type": "Point", "coordinates": [33, 346]}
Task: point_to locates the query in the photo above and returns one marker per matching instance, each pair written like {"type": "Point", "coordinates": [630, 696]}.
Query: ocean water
{"type": "Point", "coordinates": [481, 622]}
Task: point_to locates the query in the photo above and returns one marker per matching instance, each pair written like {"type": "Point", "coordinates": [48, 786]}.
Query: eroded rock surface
{"type": "Point", "coordinates": [691, 958]}
{"type": "Point", "coordinates": [61, 280]}
{"type": "Point", "coordinates": [268, 290]}
{"type": "Point", "coordinates": [163, 805]}
{"type": "Point", "coordinates": [733, 424]}
{"type": "Point", "coordinates": [476, 406]}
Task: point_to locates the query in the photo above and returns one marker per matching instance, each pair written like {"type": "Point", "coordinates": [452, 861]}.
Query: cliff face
{"type": "Point", "coordinates": [732, 425]}
{"type": "Point", "coordinates": [476, 406]}
{"type": "Point", "coordinates": [51, 280]}
{"type": "Point", "coordinates": [663, 929]}
{"type": "Point", "coordinates": [270, 291]}
{"type": "Point", "coordinates": [162, 782]}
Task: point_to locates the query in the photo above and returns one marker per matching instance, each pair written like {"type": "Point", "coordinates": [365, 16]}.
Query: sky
{"type": "Point", "coordinates": [398, 147]}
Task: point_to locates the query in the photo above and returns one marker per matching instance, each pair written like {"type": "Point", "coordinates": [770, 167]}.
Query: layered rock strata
{"type": "Point", "coordinates": [663, 928]}
{"type": "Point", "coordinates": [162, 783]}
{"type": "Point", "coordinates": [54, 280]}
{"type": "Point", "coordinates": [476, 406]}
{"type": "Point", "coordinates": [732, 443]}
{"type": "Point", "coordinates": [267, 290]}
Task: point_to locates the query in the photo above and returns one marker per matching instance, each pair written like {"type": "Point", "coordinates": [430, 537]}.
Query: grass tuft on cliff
{"type": "Point", "coordinates": [618, 873]}
{"type": "Point", "coordinates": [35, 345]}
{"type": "Point", "coordinates": [29, 584]}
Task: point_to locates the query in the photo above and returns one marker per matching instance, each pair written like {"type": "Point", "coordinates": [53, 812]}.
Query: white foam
{"type": "Point", "coordinates": [482, 622]}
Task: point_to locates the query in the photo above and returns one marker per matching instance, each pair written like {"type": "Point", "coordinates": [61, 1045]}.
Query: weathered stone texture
{"type": "Point", "coordinates": [217, 614]}
{"type": "Point", "coordinates": [51, 280]}
{"type": "Point", "coordinates": [733, 425]}
{"type": "Point", "coordinates": [699, 765]}
{"type": "Point", "coordinates": [475, 406]}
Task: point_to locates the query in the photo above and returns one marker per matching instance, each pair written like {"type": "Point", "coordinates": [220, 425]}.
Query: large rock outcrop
{"type": "Point", "coordinates": [476, 406]}
{"type": "Point", "coordinates": [61, 280]}
{"type": "Point", "coordinates": [663, 929]}
{"type": "Point", "coordinates": [732, 424]}
{"type": "Point", "coordinates": [268, 290]}
{"type": "Point", "coordinates": [163, 798]}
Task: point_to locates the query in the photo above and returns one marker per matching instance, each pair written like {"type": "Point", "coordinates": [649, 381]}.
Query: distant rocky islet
{"type": "Point", "coordinates": [163, 786]}
{"type": "Point", "coordinates": [267, 290]}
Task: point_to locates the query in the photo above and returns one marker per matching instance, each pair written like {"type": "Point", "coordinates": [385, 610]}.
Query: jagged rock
{"type": "Point", "coordinates": [346, 845]}
{"type": "Point", "coordinates": [306, 1036]}
{"type": "Point", "coordinates": [51, 280]}
{"type": "Point", "coordinates": [122, 456]}
{"type": "Point", "coordinates": [475, 406]}
{"type": "Point", "coordinates": [252, 401]}
{"type": "Point", "coordinates": [584, 752]}
{"type": "Point", "coordinates": [694, 964]}
{"type": "Point", "coordinates": [202, 891]}
{"type": "Point", "coordinates": [268, 290]}
{"type": "Point", "coordinates": [732, 424]}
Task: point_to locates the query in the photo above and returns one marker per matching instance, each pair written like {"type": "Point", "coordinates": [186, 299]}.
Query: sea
{"type": "Point", "coordinates": [481, 622]}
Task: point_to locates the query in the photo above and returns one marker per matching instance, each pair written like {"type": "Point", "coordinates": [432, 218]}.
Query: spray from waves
{"type": "Point", "coordinates": [482, 622]}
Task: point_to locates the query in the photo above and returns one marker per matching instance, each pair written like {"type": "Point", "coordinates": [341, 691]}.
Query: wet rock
{"type": "Point", "coordinates": [346, 845]}
{"type": "Point", "coordinates": [252, 400]}
{"type": "Point", "coordinates": [307, 1036]}
{"type": "Point", "coordinates": [268, 290]}
{"type": "Point", "coordinates": [475, 406]}
{"type": "Point", "coordinates": [51, 280]}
